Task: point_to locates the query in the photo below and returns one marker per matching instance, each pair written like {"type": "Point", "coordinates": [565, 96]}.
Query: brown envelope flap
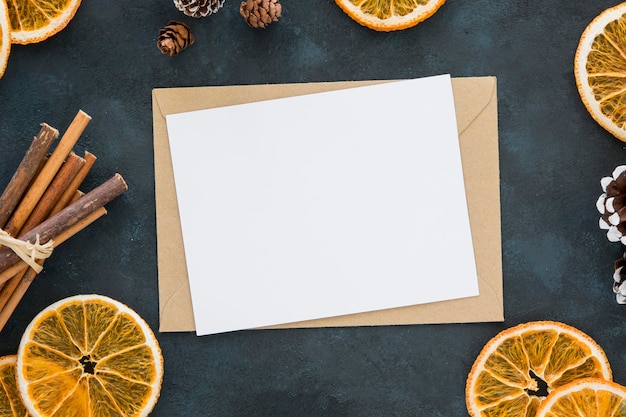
{"type": "Point", "coordinates": [481, 92]}
{"type": "Point", "coordinates": [481, 160]}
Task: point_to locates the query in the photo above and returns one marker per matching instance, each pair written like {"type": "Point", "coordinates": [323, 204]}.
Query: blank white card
{"type": "Point", "coordinates": [322, 205]}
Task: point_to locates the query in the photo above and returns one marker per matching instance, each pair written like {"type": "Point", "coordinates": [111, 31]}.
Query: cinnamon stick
{"type": "Point", "coordinates": [64, 176]}
{"type": "Point", "coordinates": [53, 193]}
{"type": "Point", "coordinates": [26, 171]}
{"type": "Point", "coordinates": [14, 290]}
{"type": "Point", "coordinates": [67, 217]}
{"type": "Point", "coordinates": [14, 273]}
{"type": "Point", "coordinates": [57, 189]}
{"type": "Point", "coordinates": [15, 269]}
{"type": "Point", "coordinates": [71, 190]}
{"type": "Point", "coordinates": [49, 170]}
{"type": "Point", "coordinates": [9, 287]}
{"type": "Point", "coordinates": [78, 194]}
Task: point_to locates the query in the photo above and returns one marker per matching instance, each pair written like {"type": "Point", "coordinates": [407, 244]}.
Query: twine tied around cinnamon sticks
{"type": "Point", "coordinates": [28, 252]}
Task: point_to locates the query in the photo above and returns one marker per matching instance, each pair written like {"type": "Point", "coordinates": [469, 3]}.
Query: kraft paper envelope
{"type": "Point", "coordinates": [476, 109]}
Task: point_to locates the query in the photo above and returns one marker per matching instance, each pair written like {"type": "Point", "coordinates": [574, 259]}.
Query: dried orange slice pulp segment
{"type": "Point", "coordinates": [389, 15]}
{"type": "Point", "coordinates": [5, 37]}
{"type": "Point", "coordinates": [517, 369]}
{"type": "Point", "coordinates": [88, 356]}
{"type": "Point", "coordinates": [10, 400]}
{"type": "Point", "coordinates": [600, 69]}
{"type": "Point", "coordinates": [36, 20]}
{"type": "Point", "coordinates": [589, 397]}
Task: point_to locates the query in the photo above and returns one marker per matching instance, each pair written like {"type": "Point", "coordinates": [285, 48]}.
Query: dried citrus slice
{"type": "Point", "coordinates": [589, 397]}
{"type": "Point", "coordinates": [89, 355]}
{"type": "Point", "coordinates": [389, 15]}
{"type": "Point", "coordinates": [36, 20]}
{"type": "Point", "coordinates": [600, 69]}
{"type": "Point", "coordinates": [5, 37]}
{"type": "Point", "coordinates": [10, 402]}
{"type": "Point", "coordinates": [517, 369]}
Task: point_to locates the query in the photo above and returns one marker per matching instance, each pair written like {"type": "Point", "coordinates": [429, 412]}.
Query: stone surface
{"type": "Point", "coordinates": [557, 263]}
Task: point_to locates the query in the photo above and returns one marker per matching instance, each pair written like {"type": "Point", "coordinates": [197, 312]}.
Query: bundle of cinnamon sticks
{"type": "Point", "coordinates": [43, 207]}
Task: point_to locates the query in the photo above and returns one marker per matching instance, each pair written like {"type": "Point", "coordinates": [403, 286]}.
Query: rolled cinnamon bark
{"type": "Point", "coordinates": [67, 217]}
{"type": "Point", "coordinates": [71, 190]}
{"type": "Point", "coordinates": [14, 289]}
{"type": "Point", "coordinates": [54, 192]}
{"type": "Point", "coordinates": [48, 172]}
{"type": "Point", "coordinates": [26, 171]}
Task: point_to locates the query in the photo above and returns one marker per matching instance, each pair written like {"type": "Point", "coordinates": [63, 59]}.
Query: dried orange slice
{"type": "Point", "coordinates": [389, 15]}
{"type": "Point", "coordinates": [5, 37]}
{"type": "Point", "coordinates": [600, 69]}
{"type": "Point", "coordinates": [88, 356]}
{"type": "Point", "coordinates": [36, 20]}
{"type": "Point", "coordinates": [517, 369]}
{"type": "Point", "coordinates": [10, 401]}
{"type": "Point", "coordinates": [587, 397]}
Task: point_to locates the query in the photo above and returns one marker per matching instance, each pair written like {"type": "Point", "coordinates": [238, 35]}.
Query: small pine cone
{"type": "Point", "coordinates": [174, 37]}
{"type": "Point", "coordinates": [612, 205]}
{"type": "Point", "coordinates": [260, 13]}
{"type": "Point", "coordinates": [198, 8]}
{"type": "Point", "coordinates": [619, 280]}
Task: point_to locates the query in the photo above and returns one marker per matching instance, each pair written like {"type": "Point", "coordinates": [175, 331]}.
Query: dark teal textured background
{"type": "Point", "coordinates": [557, 262]}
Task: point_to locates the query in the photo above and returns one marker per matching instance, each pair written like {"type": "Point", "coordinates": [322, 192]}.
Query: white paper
{"type": "Point", "coordinates": [322, 205]}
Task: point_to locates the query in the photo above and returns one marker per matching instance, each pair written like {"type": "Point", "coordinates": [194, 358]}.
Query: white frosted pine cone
{"type": "Point", "coordinates": [612, 205]}
{"type": "Point", "coordinates": [198, 8]}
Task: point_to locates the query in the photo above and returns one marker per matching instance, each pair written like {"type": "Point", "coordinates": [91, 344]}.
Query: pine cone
{"type": "Point", "coordinates": [260, 13]}
{"type": "Point", "coordinates": [198, 8]}
{"type": "Point", "coordinates": [612, 205]}
{"type": "Point", "coordinates": [174, 37]}
{"type": "Point", "coordinates": [619, 279]}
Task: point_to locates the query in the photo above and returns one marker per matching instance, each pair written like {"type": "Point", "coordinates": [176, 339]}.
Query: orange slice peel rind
{"type": "Point", "coordinates": [5, 37]}
{"type": "Point", "coordinates": [10, 401]}
{"type": "Point", "coordinates": [600, 69]}
{"type": "Point", "coordinates": [36, 21]}
{"type": "Point", "coordinates": [517, 368]}
{"type": "Point", "coordinates": [591, 397]}
{"type": "Point", "coordinates": [389, 15]}
{"type": "Point", "coordinates": [89, 355]}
